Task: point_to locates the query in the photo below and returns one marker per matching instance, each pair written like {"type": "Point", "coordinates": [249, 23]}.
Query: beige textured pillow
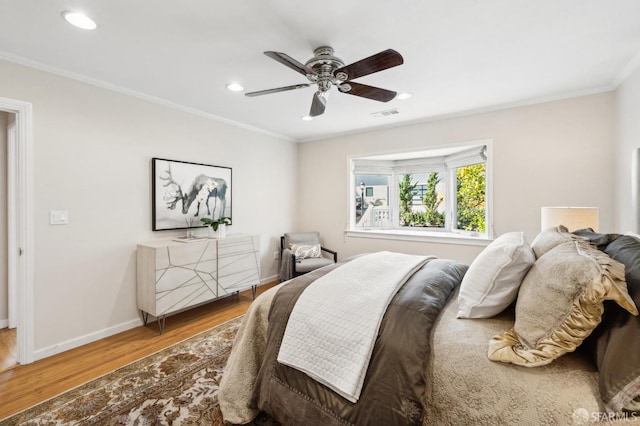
{"type": "Point", "coordinates": [302, 251]}
{"type": "Point", "coordinates": [549, 238]}
{"type": "Point", "coordinates": [559, 304]}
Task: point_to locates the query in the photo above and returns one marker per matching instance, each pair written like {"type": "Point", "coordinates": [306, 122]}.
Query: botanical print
{"type": "Point", "coordinates": [183, 193]}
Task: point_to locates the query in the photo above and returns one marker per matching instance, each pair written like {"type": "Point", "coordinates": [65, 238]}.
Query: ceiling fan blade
{"type": "Point", "coordinates": [287, 60]}
{"type": "Point", "coordinates": [380, 61]}
{"type": "Point", "coordinates": [318, 104]}
{"type": "Point", "coordinates": [369, 92]}
{"type": "Point", "coordinates": [279, 89]}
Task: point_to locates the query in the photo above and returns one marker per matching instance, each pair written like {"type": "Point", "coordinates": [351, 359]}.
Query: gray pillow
{"type": "Point", "coordinates": [617, 339]}
{"type": "Point", "coordinates": [601, 241]}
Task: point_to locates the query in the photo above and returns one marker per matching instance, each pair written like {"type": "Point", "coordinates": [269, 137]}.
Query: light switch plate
{"type": "Point", "coordinates": [59, 217]}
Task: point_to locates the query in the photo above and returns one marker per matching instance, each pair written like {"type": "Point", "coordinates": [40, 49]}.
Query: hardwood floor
{"type": "Point", "coordinates": [8, 349]}
{"type": "Point", "coordinates": [27, 385]}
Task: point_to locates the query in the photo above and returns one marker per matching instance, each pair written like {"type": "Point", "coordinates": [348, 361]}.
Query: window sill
{"type": "Point", "coordinates": [422, 236]}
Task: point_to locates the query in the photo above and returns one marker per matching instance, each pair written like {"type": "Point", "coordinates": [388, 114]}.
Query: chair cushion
{"type": "Point", "coordinates": [301, 238]}
{"type": "Point", "coordinates": [312, 263]}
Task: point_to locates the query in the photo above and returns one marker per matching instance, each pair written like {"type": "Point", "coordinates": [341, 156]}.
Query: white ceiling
{"type": "Point", "coordinates": [459, 55]}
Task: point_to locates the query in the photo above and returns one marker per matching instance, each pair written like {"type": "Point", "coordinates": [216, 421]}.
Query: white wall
{"type": "Point", "coordinates": [553, 154]}
{"type": "Point", "coordinates": [4, 297]}
{"type": "Point", "coordinates": [92, 157]}
{"type": "Point", "coordinates": [628, 126]}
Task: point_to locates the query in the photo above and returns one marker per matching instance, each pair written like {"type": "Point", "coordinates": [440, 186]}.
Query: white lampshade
{"type": "Point", "coordinates": [573, 218]}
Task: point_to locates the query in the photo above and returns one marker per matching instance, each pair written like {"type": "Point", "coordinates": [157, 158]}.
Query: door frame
{"type": "Point", "coordinates": [20, 245]}
{"type": "Point", "coordinates": [635, 190]}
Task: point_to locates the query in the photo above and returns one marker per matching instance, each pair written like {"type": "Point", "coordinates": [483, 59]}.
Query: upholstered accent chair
{"type": "Point", "coordinates": [302, 252]}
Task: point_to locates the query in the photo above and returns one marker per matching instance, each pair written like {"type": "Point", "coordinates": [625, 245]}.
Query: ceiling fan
{"type": "Point", "coordinates": [326, 70]}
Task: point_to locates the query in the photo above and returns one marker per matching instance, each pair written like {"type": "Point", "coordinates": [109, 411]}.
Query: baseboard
{"type": "Point", "coordinates": [83, 340]}
{"type": "Point", "coordinates": [270, 279]}
{"type": "Point", "coordinates": [4, 323]}
{"type": "Point", "coordinates": [101, 334]}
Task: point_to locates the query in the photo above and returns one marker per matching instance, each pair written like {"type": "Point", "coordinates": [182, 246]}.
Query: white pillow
{"type": "Point", "coordinates": [302, 251]}
{"type": "Point", "coordinates": [492, 281]}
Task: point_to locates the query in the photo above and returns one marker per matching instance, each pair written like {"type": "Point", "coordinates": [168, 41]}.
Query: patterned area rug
{"type": "Point", "coordinates": [176, 386]}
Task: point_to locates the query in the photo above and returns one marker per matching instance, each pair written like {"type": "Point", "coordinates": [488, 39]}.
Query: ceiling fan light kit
{"type": "Point", "coordinates": [325, 71]}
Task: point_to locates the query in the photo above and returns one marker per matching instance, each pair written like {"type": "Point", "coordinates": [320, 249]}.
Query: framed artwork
{"type": "Point", "coordinates": [183, 193]}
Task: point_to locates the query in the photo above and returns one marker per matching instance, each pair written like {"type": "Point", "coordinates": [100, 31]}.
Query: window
{"type": "Point", "coordinates": [421, 200]}
{"type": "Point", "coordinates": [436, 192]}
{"type": "Point", "coordinates": [372, 202]}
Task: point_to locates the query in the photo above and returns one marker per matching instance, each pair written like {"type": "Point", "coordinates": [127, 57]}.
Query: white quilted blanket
{"type": "Point", "coordinates": [334, 324]}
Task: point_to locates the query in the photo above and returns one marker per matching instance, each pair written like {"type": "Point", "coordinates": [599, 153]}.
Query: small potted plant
{"type": "Point", "coordinates": [218, 227]}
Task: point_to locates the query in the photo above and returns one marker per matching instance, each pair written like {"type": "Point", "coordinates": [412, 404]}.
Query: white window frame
{"type": "Point", "coordinates": [397, 163]}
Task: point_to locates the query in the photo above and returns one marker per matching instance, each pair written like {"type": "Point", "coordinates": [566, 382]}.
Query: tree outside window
{"type": "Point", "coordinates": [432, 201]}
{"type": "Point", "coordinates": [405, 194]}
{"type": "Point", "coordinates": [471, 196]}
{"type": "Point", "coordinates": [429, 211]}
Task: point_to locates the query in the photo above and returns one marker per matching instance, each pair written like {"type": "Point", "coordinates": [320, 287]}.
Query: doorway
{"type": "Point", "coordinates": [19, 225]}
{"type": "Point", "coordinates": [8, 347]}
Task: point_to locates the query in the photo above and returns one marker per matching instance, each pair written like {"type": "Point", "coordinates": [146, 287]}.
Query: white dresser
{"type": "Point", "coordinates": [174, 275]}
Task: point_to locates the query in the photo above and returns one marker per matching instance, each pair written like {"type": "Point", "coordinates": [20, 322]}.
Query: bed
{"type": "Point", "coordinates": [445, 355]}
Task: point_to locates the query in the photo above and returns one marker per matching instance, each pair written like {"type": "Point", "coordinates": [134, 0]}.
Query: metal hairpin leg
{"type": "Point", "coordinates": [160, 319]}
{"type": "Point", "coordinates": [161, 323]}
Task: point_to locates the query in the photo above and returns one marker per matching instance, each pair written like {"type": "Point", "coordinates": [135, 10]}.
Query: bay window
{"type": "Point", "coordinates": [434, 192]}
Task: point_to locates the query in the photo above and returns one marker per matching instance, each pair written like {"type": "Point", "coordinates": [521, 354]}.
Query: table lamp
{"type": "Point", "coordinates": [573, 218]}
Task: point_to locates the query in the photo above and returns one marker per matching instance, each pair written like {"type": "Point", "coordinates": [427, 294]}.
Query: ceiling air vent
{"type": "Point", "coordinates": [385, 113]}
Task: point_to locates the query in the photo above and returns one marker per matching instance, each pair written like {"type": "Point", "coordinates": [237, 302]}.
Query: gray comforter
{"type": "Point", "coordinates": [460, 385]}
{"type": "Point", "coordinates": [395, 385]}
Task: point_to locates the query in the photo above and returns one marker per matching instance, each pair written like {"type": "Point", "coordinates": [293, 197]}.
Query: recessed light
{"type": "Point", "coordinates": [403, 96]}
{"type": "Point", "coordinates": [235, 87]}
{"type": "Point", "coordinates": [79, 19]}
{"type": "Point", "coordinates": [307, 118]}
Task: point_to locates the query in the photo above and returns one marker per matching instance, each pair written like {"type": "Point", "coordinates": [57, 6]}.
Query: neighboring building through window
{"type": "Point", "coordinates": [443, 190]}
